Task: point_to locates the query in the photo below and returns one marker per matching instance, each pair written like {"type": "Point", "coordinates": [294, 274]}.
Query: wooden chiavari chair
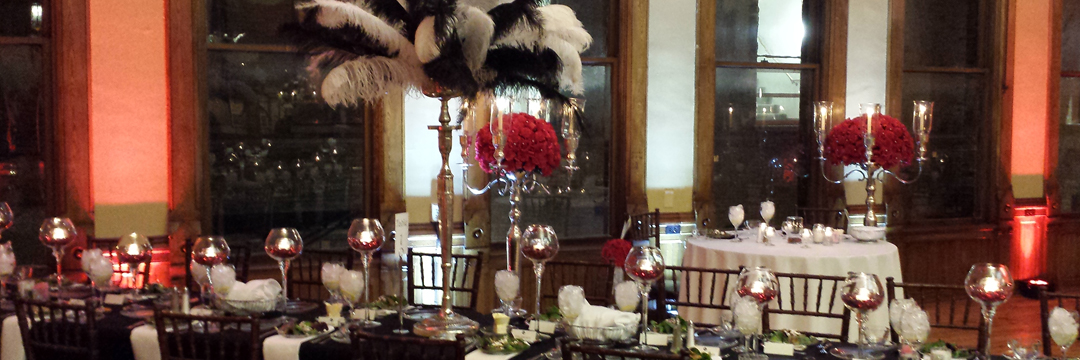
{"type": "Point", "coordinates": [597, 279]}
{"type": "Point", "coordinates": [645, 227]}
{"type": "Point", "coordinates": [52, 330]}
{"type": "Point", "coordinates": [108, 246]}
{"type": "Point", "coordinates": [305, 272]}
{"type": "Point", "coordinates": [708, 282]}
{"type": "Point", "coordinates": [819, 298]}
{"type": "Point", "coordinates": [948, 306]}
{"type": "Point", "coordinates": [1069, 302]}
{"type": "Point", "coordinates": [575, 351]}
{"type": "Point", "coordinates": [424, 273]}
{"type": "Point", "coordinates": [367, 346]}
{"type": "Point", "coordinates": [198, 337]}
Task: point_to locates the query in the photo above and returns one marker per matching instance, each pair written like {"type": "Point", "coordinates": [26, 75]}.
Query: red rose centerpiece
{"type": "Point", "coordinates": [531, 145]}
{"type": "Point", "coordinates": [892, 142]}
{"type": "Point", "coordinates": [615, 250]}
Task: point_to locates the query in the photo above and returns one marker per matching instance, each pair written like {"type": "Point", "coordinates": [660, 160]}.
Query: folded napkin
{"type": "Point", "coordinates": [1063, 326]}
{"type": "Point", "coordinates": [736, 215]}
{"type": "Point", "coordinates": [198, 272]}
{"type": "Point", "coordinates": [480, 355]}
{"type": "Point", "coordinates": [507, 285]}
{"type": "Point", "coordinates": [88, 257]}
{"type": "Point", "coordinates": [599, 316]}
{"type": "Point", "coordinates": [896, 310]}
{"type": "Point", "coordinates": [278, 347]}
{"type": "Point", "coordinates": [352, 286]}
{"type": "Point", "coordinates": [627, 295]}
{"type": "Point", "coordinates": [768, 209]}
{"type": "Point", "coordinates": [747, 315]}
{"type": "Point", "coordinates": [571, 300]}
{"type": "Point", "coordinates": [7, 260]}
{"type": "Point", "coordinates": [223, 277]}
{"type": "Point", "coordinates": [144, 343]}
{"type": "Point", "coordinates": [915, 325]}
{"type": "Point", "coordinates": [100, 270]}
{"type": "Point", "coordinates": [331, 275]}
{"type": "Point", "coordinates": [254, 290]}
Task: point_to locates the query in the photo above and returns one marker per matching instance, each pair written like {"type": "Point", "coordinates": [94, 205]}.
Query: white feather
{"type": "Point", "coordinates": [427, 47]}
{"type": "Point", "coordinates": [368, 78]}
{"type": "Point", "coordinates": [335, 15]}
{"type": "Point", "coordinates": [475, 28]}
{"type": "Point", "coordinates": [570, 78]}
{"type": "Point", "coordinates": [366, 6]}
{"type": "Point", "coordinates": [560, 21]}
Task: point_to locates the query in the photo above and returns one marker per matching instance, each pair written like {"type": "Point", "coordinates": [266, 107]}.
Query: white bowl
{"type": "Point", "coordinates": [867, 233]}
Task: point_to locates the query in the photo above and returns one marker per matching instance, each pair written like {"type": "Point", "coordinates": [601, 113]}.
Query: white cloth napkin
{"type": "Point", "coordinates": [480, 355]}
{"type": "Point", "coordinates": [1063, 326]}
{"type": "Point", "coordinates": [571, 300]}
{"type": "Point", "coordinates": [88, 257]}
{"type": "Point", "coordinates": [507, 284]}
{"type": "Point", "coordinates": [599, 316]}
{"type": "Point", "coordinates": [144, 343]}
{"type": "Point", "coordinates": [11, 347]}
{"type": "Point", "coordinates": [100, 269]}
{"type": "Point", "coordinates": [198, 272]}
{"type": "Point", "coordinates": [352, 285]}
{"type": "Point", "coordinates": [915, 324]}
{"type": "Point", "coordinates": [747, 315]}
{"type": "Point", "coordinates": [331, 275]}
{"type": "Point", "coordinates": [896, 310]}
{"type": "Point", "coordinates": [254, 290]}
{"type": "Point", "coordinates": [627, 295]}
{"type": "Point", "coordinates": [223, 277]}
{"type": "Point", "coordinates": [768, 209]}
{"type": "Point", "coordinates": [736, 214]}
{"type": "Point", "coordinates": [278, 347]}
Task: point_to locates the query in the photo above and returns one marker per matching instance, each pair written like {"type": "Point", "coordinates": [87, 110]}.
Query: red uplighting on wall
{"type": "Point", "coordinates": [1029, 242]}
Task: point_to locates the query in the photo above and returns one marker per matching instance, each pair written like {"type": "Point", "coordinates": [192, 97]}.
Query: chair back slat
{"type": "Point", "coordinates": [1044, 313]}
{"type": "Point", "coordinates": [424, 274]}
{"type": "Point", "coordinates": [948, 306]}
{"type": "Point", "coordinates": [108, 245]}
{"type": "Point", "coordinates": [645, 227]}
{"type": "Point", "coordinates": [812, 304]}
{"type": "Point", "coordinates": [720, 282]}
{"type": "Point", "coordinates": [197, 337]}
{"type": "Point", "coordinates": [305, 272]}
{"type": "Point", "coordinates": [597, 279]}
{"type": "Point", "coordinates": [395, 347]}
{"type": "Point", "coordinates": [56, 330]}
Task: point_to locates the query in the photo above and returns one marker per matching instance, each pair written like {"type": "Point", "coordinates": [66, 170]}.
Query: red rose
{"type": "Point", "coordinates": [531, 145]}
{"type": "Point", "coordinates": [615, 251]}
{"type": "Point", "coordinates": [892, 142]}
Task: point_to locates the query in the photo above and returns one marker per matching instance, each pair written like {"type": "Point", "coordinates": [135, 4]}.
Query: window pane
{"type": "Point", "coordinates": [585, 212]}
{"type": "Point", "coordinates": [280, 157]}
{"type": "Point", "coordinates": [943, 33]}
{"type": "Point", "coordinates": [20, 17]}
{"type": "Point", "coordinates": [24, 122]}
{"type": "Point", "coordinates": [1070, 36]}
{"type": "Point", "coordinates": [596, 16]}
{"type": "Point", "coordinates": [249, 21]}
{"type": "Point", "coordinates": [948, 183]}
{"type": "Point", "coordinates": [758, 148]}
{"type": "Point", "coordinates": [1068, 171]}
{"type": "Point", "coordinates": [759, 30]}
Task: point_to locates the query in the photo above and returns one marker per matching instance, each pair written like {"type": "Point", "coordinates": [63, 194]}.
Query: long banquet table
{"type": "Point", "coordinates": [881, 258]}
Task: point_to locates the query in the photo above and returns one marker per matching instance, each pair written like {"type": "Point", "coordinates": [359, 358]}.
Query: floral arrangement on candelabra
{"type": "Point", "coordinates": [875, 152]}
{"type": "Point", "coordinates": [365, 49]}
{"type": "Point", "coordinates": [614, 252]}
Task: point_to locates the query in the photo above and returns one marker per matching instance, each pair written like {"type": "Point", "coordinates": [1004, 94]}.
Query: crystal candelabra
{"type": "Point", "coordinates": [871, 172]}
{"type": "Point", "coordinates": [511, 182]}
{"type": "Point", "coordinates": [447, 324]}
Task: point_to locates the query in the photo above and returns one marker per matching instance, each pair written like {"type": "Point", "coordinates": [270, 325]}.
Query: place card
{"type": "Point", "coordinates": [657, 339]}
{"type": "Point", "coordinates": [77, 302]}
{"type": "Point", "coordinates": [115, 299]}
{"type": "Point", "coordinates": [528, 336]}
{"type": "Point", "coordinates": [401, 235]}
{"type": "Point", "coordinates": [775, 348]}
{"type": "Point", "coordinates": [546, 327]}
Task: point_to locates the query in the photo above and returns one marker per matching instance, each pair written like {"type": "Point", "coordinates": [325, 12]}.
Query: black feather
{"type": "Point", "coordinates": [541, 66]}
{"type": "Point", "coordinates": [508, 15]}
{"type": "Point", "coordinates": [389, 11]}
{"type": "Point", "coordinates": [309, 35]}
{"type": "Point", "coordinates": [449, 70]}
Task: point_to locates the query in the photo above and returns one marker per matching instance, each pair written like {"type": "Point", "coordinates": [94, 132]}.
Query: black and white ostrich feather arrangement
{"type": "Point", "coordinates": [361, 49]}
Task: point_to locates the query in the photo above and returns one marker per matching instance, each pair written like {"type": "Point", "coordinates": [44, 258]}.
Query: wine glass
{"type": "Point", "coordinates": [990, 285]}
{"type": "Point", "coordinates": [209, 251]}
{"type": "Point", "coordinates": [862, 293]}
{"type": "Point", "coordinates": [6, 217]}
{"type": "Point", "coordinates": [539, 244]}
{"type": "Point", "coordinates": [1064, 338]}
{"type": "Point", "coordinates": [283, 245]}
{"type": "Point", "coordinates": [758, 284]}
{"type": "Point", "coordinates": [135, 249]}
{"type": "Point", "coordinates": [331, 279]}
{"type": "Point", "coordinates": [366, 236]}
{"type": "Point", "coordinates": [57, 233]}
{"type": "Point", "coordinates": [914, 328]}
{"type": "Point", "coordinates": [736, 215]}
{"type": "Point", "coordinates": [768, 209]}
{"type": "Point", "coordinates": [507, 285]}
{"type": "Point", "coordinates": [7, 267]}
{"type": "Point", "coordinates": [100, 274]}
{"type": "Point", "coordinates": [897, 308]}
{"type": "Point", "coordinates": [644, 264]}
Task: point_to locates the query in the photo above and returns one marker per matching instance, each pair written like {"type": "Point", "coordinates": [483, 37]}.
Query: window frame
{"type": "Point", "coordinates": [1057, 74]}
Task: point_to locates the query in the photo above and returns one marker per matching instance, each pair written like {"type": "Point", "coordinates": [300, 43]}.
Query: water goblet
{"type": "Point", "coordinates": [507, 286]}
{"type": "Point", "coordinates": [644, 264]}
{"type": "Point", "coordinates": [736, 215]}
{"type": "Point", "coordinates": [990, 285]}
{"type": "Point", "coordinates": [758, 284]}
{"type": "Point", "coordinates": [862, 293]}
{"type": "Point", "coordinates": [331, 279]}
{"type": "Point", "coordinates": [1063, 329]}
{"type": "Point", "coordinates": [209, 251]}
{"type": "Point", "coordinates": [539, 244]}
{"type": "Point", "coordinates": [135, 249]}
{"type": "Point", "coordinates": [366, 236]}
{"type": "Point", "coordinates": [897, 307]}
{"type": "Point", "coordinates": [57, 233]}
{"type": "Point", "coordinates": [283, 245]}
{"type": "Point", "coordinates": [914, 329]}
{"type": "Point", "coordinates": [100, 273]}
{"type": "Point", "coordinates": [768, 209]}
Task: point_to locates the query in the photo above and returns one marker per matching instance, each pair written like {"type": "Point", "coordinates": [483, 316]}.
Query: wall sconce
{"type": "Point", "coordinates": [36, 17]}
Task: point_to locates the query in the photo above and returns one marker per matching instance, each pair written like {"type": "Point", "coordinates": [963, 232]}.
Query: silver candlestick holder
{"type": "Point", "coordinates": [871, 172]}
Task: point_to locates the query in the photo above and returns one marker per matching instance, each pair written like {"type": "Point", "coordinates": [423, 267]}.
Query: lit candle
{"type": "Point", "coordinates": [757, 287]}
{"type": "Point", "coordinates": [59, 233]}
{"type": "Point", "coordinates": [133, 249]}
{"type": "Point", "coordinates": [991, 285]}
{"type": "Point", "coordinates": [828, 233]}
{"type": "Point", "coordinates": [211, 252]}
{"type": "Point", "coordinates": [283, 244]}
{"type": "Point", "coordinates": [863, 295]}
{"type": "Point", "coordinates": [870, 111]}
{"type": "Point", "coordinates": [770, 232]}
{"type": "Point", "coordinates": [819, 234]}
{"type": "Point", "coordinates": [647, 266]}
{"type": "Point", "coordinates": [806, 235]}
{"type": "Point", "coordinates": [366, 237]}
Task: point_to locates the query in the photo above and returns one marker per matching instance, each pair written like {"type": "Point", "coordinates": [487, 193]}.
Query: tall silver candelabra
{"type": "Point", "coordinates": [871, 172]}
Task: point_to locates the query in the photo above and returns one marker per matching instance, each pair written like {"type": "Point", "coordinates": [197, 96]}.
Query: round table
{"type": "Point", "coordinates": [881, 258]}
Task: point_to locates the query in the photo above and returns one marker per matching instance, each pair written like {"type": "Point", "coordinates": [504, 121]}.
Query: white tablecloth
{"type": "Point", "coordinates": [881, 258]}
